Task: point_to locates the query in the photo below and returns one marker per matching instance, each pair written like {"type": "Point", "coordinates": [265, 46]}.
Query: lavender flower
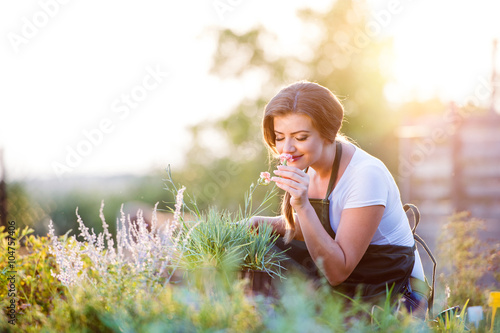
{"type": "Point", "coordinates": [140, 253]}
{"type": "Point", "coordinates": [67, 258]}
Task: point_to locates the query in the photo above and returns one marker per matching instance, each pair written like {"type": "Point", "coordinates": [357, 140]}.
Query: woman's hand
{"type": "Point", "coordinates": [276, 222]}
{"type": "Point", "coordinates": [294, 181]}
{"type": "Point", "coordinates": [253, 222]}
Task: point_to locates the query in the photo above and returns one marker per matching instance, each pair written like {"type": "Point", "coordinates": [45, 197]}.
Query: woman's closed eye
{"type": "Point", "coordinates": [300, 138]}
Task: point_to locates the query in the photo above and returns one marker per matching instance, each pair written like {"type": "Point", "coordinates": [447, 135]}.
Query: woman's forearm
{"type": "Point", "coordinates": [277, 223]}
{"type": "Point", "coordinates": [341, 256]}
{"type": "Point", "coordinates": [325, 251]}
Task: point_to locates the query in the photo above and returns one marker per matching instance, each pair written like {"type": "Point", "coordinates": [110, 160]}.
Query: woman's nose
{"type": "Point", "coordinates": [288, 147]}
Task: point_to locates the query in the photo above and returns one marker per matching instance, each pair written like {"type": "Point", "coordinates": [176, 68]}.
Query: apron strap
{"type": "Point", "coordinates": [335, 170]}
{"type": "Point", "coordinates": [321, 206]}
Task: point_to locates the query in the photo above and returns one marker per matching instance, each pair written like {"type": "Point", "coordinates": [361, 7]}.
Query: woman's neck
{"type": "Point", "coordinates": [323, 167]}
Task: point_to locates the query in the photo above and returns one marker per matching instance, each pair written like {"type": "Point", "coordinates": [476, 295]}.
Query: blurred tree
{"type": "Point", "coordinates": [341, 53]}
{"type": "Point", "coordinates": [22, 208]}
{"type": "Point", "coordinates": [133, 192]}
{"type": "Point", "coordinates": [349, 59]}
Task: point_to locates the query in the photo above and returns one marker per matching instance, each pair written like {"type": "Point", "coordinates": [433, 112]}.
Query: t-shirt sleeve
{"type": "Point", "coordinates": [368, 187]}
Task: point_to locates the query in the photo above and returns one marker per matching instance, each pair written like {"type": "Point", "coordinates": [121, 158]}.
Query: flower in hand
{"type": "Point", "coordinates": [265, 178]}
{"type": "Point", "coordinates": [285, 158]}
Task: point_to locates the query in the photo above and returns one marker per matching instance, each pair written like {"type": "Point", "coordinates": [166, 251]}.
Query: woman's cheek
{"type": "Point", "coordinates": [279, 147]}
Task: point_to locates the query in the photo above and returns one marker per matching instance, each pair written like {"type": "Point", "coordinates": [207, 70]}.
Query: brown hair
{"type": "Point", "coordinates": [314, 101]}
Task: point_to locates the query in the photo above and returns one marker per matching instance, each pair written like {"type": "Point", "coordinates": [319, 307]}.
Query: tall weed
{"type": "Point", "coordinates": [463, 256]}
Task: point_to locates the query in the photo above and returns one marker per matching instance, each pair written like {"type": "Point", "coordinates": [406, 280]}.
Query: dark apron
{"type": "Point", "coordinates": [381, 268]}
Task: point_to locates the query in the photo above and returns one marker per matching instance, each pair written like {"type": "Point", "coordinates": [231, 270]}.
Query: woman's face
{"type": "Point", "coordinates": [296, 135]}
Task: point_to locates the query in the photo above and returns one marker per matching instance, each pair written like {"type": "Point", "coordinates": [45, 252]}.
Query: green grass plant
{"type": "Point", "coordinates": [229, 244]}
{"type": "Point", "coordinates": [226, 241]}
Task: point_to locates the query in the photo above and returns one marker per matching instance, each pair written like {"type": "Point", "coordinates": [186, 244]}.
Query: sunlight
{"type": "Point", "coordinates": [65, 79]}
{"type": "Point", "coordinates": [444, 56]}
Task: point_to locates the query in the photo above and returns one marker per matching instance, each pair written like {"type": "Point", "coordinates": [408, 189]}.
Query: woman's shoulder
{"type": "Point", "coordinates": [362, 159]}
{"type": "Point", "coordinates": [364, 183]}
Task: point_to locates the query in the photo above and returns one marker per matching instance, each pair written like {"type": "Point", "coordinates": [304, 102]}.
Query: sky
{"type": "Point", "coordinates": [110, 88]}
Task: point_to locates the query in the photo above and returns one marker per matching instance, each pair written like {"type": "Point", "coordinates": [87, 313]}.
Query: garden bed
{"type": "Point", "coordinates": [209, 274]}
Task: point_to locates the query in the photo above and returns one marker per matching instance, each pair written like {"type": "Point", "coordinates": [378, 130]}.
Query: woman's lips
{"type": "Point", "coordinates": [295, 158]}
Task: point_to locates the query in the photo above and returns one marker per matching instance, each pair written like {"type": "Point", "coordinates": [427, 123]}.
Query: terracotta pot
{"type": "Point", "coordinates": [259, 283]}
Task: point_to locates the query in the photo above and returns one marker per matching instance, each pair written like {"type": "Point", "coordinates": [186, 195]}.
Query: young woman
{"type": "Point", "coordinates": [341, 212]}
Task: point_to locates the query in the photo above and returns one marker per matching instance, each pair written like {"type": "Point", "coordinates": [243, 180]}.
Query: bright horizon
{"type": "Point", "coordinates": [122, 81]}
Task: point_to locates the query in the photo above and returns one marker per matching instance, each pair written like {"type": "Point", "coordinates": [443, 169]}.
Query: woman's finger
{"type": "Point", "coordinates": [295, 193]}
{"type": "Point", "coordinates": [289, 182]}
{"type": "Point", "coordinates": [295, 189]}
{"type": "Point", "coordinates": [297, 175]}
{"type": "Point", "coordinates": [291, 169]}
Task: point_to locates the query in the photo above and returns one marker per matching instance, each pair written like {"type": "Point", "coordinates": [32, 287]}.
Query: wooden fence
{"type": "Point", "coordinates": [452, 163]}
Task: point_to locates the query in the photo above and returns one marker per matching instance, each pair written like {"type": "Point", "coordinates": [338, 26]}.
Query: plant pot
{"type": "Point", "coordinates": [259, 283]}
{"type": "Point", "coordinates": [475, 314]}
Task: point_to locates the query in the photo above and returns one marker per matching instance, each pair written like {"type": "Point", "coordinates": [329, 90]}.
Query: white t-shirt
{"type": "Point", "coordinates": [367, 182]}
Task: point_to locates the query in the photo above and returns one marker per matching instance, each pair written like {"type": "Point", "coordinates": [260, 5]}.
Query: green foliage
{"type": "Point", "coordinates": [452, 320]}
{"type": "Point", "coordinates": [494, 261]}
{"type": "Point", "coordinates": [169, 309]}
{"type": "Point", "coordinates": [36, 289]}
{"type": "Point", "coordinates": [132, 292]}
{"type": "Point", "coordinates": [464, 258]}
{"type": "Point", "coordinates": [304, 307]}
{"type": "Point", "coordinates": [127, 305]}
{"type": "Point", "coordinates": [228, 244]}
